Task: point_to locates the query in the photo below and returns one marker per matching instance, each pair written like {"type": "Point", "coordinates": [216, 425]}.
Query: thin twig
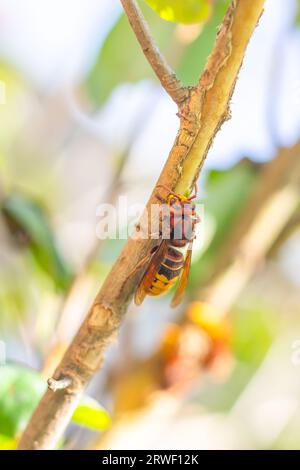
{"type": "Point", "coordinates": [201, 118]}
{"type": "Point", "coordinates": [162, 69]}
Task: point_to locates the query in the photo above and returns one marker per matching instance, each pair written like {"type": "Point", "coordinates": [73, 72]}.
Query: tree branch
{"type": "Point", "coordinates": [200, 119]}
{"type": "Point", "coordinates": [162, 69]}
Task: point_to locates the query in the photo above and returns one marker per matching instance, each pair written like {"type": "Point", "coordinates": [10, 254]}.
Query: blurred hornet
{"type": "Point", "coordinates": [170, 261]}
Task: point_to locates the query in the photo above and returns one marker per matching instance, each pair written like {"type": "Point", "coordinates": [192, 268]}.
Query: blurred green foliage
{"type": "Point", "coordinates": [13, 296]}
{"type": "Point", "coordinates": [188, 69]}
{"type": "Point", "coordinates": [29, 226]}
{"type": "Point", "coordinates": [20, 391]}
{"type": "Point", "coordinates": [298, 13]}
{"type": "Point", "coordinates": [226, 192]}
{"type": "Point", "coordinates": [254, 328]}
{"type": "Point", "coordinates": [91, 414]}
{"type": "Point", "coordinates": [117, 65]}
{"type": "Point", "coordinates": [7, 443]}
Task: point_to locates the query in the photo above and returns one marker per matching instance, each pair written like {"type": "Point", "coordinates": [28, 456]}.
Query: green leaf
{"type": "Point", "coordinates": [91, 414]}
{"type": "Point", "coordinates": [20, 392]}
{"type": "Point", "coordinates": [28, 223]}
{"type": "Point", "coordinates": [7, 443]}
{"type": "Point", "coordinates": [187, 11]}
{"type": "Point", "coordinates": [121, 59]}
{"type": "Point", "coordinates": [231, 186]}
{"type": "Point", "coordinates": [21, 389]}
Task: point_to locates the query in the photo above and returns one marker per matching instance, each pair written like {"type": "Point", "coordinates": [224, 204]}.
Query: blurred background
{"type": "Point", "coordinates": [83, 122]}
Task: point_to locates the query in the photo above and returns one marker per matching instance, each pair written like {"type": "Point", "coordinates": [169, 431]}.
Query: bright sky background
{"type": "Point", "coordinates": [54, 40]}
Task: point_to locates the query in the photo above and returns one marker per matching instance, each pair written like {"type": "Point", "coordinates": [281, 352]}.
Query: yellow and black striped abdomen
{"type": "Point", "coordinates": [168, 272]}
